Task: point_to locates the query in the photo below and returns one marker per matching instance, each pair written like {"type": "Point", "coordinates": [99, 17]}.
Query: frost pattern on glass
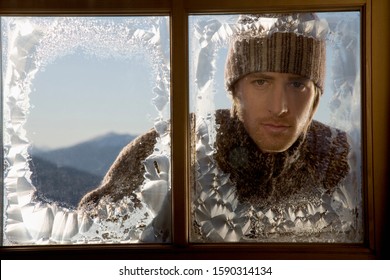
{"type": "Point", "coordinates": [217, 215]}
{"type": "Point", "coordinates": [29, 44]}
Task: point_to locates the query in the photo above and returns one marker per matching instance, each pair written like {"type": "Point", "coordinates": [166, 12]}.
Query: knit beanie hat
{"type": "Point", "coordinates": [285, 43]}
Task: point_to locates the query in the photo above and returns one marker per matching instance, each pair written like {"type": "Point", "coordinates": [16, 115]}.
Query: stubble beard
{"type": "Point", "coordinates": [277, 142]}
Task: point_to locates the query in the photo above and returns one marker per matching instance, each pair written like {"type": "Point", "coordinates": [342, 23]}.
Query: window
{"type": "Point", "coordinates": [374, 114]}
{"type": "Point", "coordinates": [85, 110]}
{"type": "Point", "coordinates": [229, 202]}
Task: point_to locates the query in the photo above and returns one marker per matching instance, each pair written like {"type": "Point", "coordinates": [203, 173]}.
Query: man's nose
{"type": "Point", "coordinates": [277, 101]}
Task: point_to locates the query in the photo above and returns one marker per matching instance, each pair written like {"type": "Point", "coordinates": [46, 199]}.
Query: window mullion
{"type": "Point", "coordinates": [179, 115]}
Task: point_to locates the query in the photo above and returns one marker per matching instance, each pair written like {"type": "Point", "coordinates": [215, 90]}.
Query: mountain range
{"type": "Point", "coordinates": [66, 174]}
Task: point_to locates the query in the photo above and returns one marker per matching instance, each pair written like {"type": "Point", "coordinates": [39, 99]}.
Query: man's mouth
{"type": "Point", "coordinates": [275, 127]}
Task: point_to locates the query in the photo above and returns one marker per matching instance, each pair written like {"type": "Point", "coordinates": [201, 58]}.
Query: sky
{"type": "Point", "coordinates": [80, 96]}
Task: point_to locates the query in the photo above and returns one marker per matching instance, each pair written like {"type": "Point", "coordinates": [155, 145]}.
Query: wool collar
{"type": "Point", "coordinates": [269, 178]}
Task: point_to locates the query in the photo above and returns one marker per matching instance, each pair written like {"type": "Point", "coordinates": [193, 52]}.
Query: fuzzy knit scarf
{"type": "Point", "coordinates": [316, 161]}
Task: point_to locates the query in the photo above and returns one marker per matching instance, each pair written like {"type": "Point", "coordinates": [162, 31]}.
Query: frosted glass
{"type": "Point", "coordinates": [218, 214]}
{"type": "Point", "coordinates": [31, 48]}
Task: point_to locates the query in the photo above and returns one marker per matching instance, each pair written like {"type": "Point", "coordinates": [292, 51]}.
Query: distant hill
{"type": "Point", "coordinates": [65, 185]}
{"type": "Point", "coordinates": [66, 174]}
{"type": "Point", "coordinates": [94, 156]}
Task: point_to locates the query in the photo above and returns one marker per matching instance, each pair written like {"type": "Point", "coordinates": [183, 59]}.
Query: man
{"type": "Point", "coordinates": [276, 82]}
{"type": "Point", "coordinates": [275, 172]}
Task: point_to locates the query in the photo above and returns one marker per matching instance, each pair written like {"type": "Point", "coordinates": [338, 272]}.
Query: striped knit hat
{"type": "Point", "coordinates": [285, 43]}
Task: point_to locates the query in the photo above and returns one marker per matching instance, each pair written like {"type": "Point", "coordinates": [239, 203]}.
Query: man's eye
{"type": "Point", "coordinates": [298, 85]}
{"type": "Point", "coordinates": [260, 82]}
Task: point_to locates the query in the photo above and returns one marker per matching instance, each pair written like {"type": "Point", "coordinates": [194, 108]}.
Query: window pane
{"type": "Point", "coordinates": [85, 121]}
{"type": "Point", "coordinates": [264, 170]}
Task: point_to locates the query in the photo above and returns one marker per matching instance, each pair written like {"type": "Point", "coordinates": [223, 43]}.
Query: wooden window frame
{"type": "Point", "coordinates": [375, 54]}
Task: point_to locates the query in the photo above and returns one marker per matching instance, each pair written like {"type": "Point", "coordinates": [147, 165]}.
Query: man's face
{"type": "Point", "coordinates": [275, 108]}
